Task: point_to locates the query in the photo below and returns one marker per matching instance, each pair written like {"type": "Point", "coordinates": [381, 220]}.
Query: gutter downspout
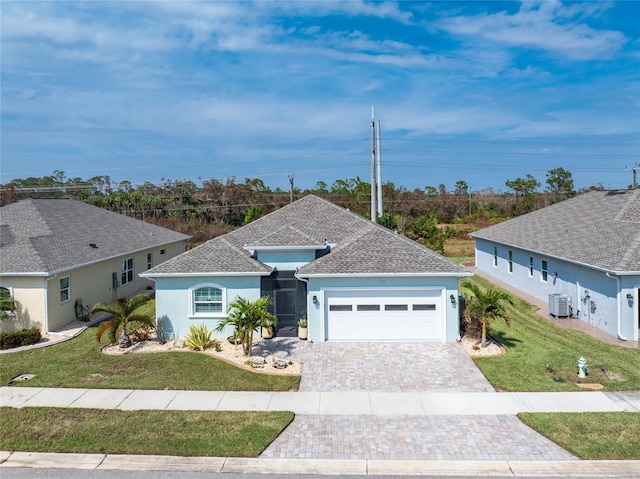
{"type": "Point", "coordinates": [619, 307]}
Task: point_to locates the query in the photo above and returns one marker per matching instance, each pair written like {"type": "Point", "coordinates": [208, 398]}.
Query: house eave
{"type": "Point", "coordinates": [207, 273]}
{"type": "Point", "coordinates": [462, 274]}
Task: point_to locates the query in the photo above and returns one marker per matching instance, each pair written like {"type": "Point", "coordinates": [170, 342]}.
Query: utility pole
{"type": "Point", "coordinates": [374, 214]}
{"type": "Point", "coordinates": [634, 168]}
{"type": "Point", "coordinates": [291, 189]}
{"type": "Point", "coordinates": [379, 171]}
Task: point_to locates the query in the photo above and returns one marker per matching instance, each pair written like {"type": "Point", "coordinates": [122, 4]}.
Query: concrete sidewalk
{"type": "Point", "coordinates": [327, 403]}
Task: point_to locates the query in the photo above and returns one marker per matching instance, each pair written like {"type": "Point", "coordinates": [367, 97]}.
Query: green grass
{"type": "Point", "coordinates": [177, 433]}
{"type": "Point", "coordinates": [80, 363]}
{"type": "Point", "coordinates": [603, 435]}
{"type": "Point", "coordinates": [532, 342]}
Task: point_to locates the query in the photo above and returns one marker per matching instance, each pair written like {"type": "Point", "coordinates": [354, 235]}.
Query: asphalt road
{"type": "Point", "coordinates": [28, 473]}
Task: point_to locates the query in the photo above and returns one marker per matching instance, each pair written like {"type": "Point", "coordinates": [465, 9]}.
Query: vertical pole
{"type": "Point", "coordinates": [374, 215]}
{"type": "Point", "coordinates": [635, 183]}
{"type": "Point", "coordinates": [379, 171]}
{"type": "Point", "coordinates": [291, 189]}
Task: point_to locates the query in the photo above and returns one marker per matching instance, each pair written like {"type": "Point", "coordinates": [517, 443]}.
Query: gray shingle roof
{"type": "Point", "coordinates": [600, 228]}
{"type": "Point", "coordinates": [361, 247]}
{"type": "Point", "coordinates": [48, 235]}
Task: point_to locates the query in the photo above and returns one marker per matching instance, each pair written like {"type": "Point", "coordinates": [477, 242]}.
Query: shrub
{"type": "Point", "coordinates": [143, 333]}
{"type": "Point", "coordinates": [198, 338]}
{"type": "Point", "coordinates": [15, 339]}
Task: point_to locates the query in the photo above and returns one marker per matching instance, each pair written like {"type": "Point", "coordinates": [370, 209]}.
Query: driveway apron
{"type": "Point", "coordinates": [402, 367]}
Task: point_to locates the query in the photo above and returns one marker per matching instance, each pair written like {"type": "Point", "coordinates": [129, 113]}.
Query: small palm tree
{"type": "Point", "coordinates": [124, 312]}
{"type": "Point", "coordinates": [485, 306]}
{"type": "Point", "coordinates": [246, 317]}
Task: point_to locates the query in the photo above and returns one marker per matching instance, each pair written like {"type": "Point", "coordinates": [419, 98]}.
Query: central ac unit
{"type": "Point", "coordinates": [559, 305]}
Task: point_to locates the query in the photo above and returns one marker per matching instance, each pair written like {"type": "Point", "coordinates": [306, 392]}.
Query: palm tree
{"type": "Point", "coordinates": [246, 317]}
{"type": "Point", "coordinates": [124, 312]}
{"type": "Point", "coordinates": [485, 306]}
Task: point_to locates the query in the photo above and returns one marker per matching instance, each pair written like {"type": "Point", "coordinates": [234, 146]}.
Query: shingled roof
{"type": "Point", "coordinates": [600, 229]}
{"type": "Point", "coordinates": [44, 236]}
{"type": "Point", "coordinates": [358, 246]}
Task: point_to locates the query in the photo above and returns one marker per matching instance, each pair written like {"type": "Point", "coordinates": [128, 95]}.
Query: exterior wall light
{"type": "Point", "coordinates": [630, 297]}
{"type": "Point", "coordinates": [453, 299]}
{"type": "Point", "coordinates": [315, 300]}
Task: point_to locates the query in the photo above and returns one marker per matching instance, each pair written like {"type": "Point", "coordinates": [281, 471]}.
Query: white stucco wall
{"type": "Point", "coordinates": [594, 297]}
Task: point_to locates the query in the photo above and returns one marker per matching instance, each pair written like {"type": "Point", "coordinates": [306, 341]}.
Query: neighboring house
{"type": "Point", "coordinates": [353, 279]}
{"type": "Point", "coordinates": [584, 251]}
{"type": "Point", "coordinates": [58, 254]}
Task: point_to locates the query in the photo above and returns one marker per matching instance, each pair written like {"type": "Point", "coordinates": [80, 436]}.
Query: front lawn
{"type": "Point", "coordinates": [172, 433]}
{"type": "Point", "coordinates": [533, 342]}
{"type": "Point", "coordinates": [79, 363]}
{"type": "Point", "coordinates": [601, 435]}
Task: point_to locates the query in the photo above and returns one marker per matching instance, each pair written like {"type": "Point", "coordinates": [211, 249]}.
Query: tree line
{"type": "Point", "coordinates": [429, 215]}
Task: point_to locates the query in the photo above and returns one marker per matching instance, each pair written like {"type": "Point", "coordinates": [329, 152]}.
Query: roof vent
{"type": "Point", "coordinates": [93, 245]}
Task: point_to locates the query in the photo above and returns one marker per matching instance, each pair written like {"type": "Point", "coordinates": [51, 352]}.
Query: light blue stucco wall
{"type": "Point", "coordinates": [174, 302]}
{"type": "Point", "coordinates": [317, 286]}
{"type": "Point", "coordinates": [594, 297]}
{"type": "Point", "coordinates": [286, 260]}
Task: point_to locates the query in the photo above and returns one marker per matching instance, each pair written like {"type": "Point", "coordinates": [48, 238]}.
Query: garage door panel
{"type": "Point", "coordinates": [384, 315]}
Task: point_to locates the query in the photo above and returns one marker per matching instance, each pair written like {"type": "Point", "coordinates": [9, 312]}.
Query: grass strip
{"type": "Point", "coordinates": [532, 342]}
{"type": "Point", "coordinates": [590, 435]}
{"type": "Point", "coordinates": [179, 433]}
{"type": "Point", "coordinates": [80, 363]}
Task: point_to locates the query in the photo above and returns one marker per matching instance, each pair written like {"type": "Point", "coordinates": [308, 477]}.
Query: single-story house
{"type": "Point", "coordinates": [58, 257]}
{"type": "Point", "coordinates": [352, 279]}
{"type": "Point", "coordinates": [582, 255]}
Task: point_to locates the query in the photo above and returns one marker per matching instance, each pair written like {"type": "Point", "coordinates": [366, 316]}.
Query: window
{"type": "Point", "coordinates": [149, 260]}
{"type": "Point", "coordinates": [530, 265]}
{"type": "Point", "coordinates": [127, 271]}
{"type": "Point", "coordinates": [510, 261]}
{"type": "Point", "coordinates": [495, 256]}
{"type": "Point", "coordinates": [396, 307]}
{"type": "Point", "coordinates": [340, 307]}
{"type": "Point", "coordinates": [207, 299]}
{"type": "Point", "coordinates": [545, 270]}
{"type": "Point", "coordinates": [7, 303]}
{"type": "Point", "coordinates": [64, 289]}
{"type": "Point", "coordinates": [368, 307]}
{"type": "Point", "coordinates": [162, 252]}
{"type": "Point", "coordinates": [424, 307]}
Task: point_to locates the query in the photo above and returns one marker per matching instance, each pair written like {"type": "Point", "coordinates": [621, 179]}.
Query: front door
{"type": "Point", "coordinates": [289, 297]}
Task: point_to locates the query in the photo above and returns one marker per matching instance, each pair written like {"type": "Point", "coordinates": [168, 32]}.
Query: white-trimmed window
{"type": "Point", "coordinates": [510, 261]}
{"type": "Point", "coordinates": [208, 300]}
{"type": "Point", "coordinates": [149, 260]}
{"type": "Point", "coordinates": [65, 286]}
{"type": "Point", "coordinates": [126, 276]}
{"type": "Point", "coordinates": [531, 266]}
{"type": "Point", "coordinates": [7, 303]}
{"type": "Point", "coordinates": [495, 256]}
{"type": "Point", "coordinates": [163, 252]}
{"type": "Point", "coordinates": [544, 268]}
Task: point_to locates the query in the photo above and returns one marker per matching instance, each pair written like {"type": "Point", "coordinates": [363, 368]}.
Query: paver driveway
{"type": "Point", "coordinates": [400, 367]}
{"type": "Point", "coordinates": [389, 367]}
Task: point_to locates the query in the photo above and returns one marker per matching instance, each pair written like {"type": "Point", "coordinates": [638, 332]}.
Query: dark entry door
{"type": "Point", "coordinates": [289, 300]}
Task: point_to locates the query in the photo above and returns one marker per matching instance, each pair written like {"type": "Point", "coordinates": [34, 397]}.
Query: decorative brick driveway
{"type": "Point", "coordinates": [389, 367]}
{"type": "Point", "coordinates": [401, 367]}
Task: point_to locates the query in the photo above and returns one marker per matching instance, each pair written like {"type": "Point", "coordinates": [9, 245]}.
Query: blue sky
{"type": "Point", "coordinates": [475, 91]}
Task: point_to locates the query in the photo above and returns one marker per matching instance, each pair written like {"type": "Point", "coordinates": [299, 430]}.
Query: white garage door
{"type": "Point", "coordinates": [384, 315]}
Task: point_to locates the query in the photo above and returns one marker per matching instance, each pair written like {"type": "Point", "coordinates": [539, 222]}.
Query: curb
{"type": "Point", "coordinates": [359, 467]}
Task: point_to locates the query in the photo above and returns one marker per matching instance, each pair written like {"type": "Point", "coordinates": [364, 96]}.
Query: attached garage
{"type": "Point", "coordinates": [384, 315]}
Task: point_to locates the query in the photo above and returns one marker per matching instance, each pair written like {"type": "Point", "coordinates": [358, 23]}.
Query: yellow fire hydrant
{"type": "Point", "coordinates": [583, 368]}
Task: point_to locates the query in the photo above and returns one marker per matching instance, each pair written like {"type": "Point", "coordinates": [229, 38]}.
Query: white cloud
{"type": "Point", "coordinates": [548, 26]}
